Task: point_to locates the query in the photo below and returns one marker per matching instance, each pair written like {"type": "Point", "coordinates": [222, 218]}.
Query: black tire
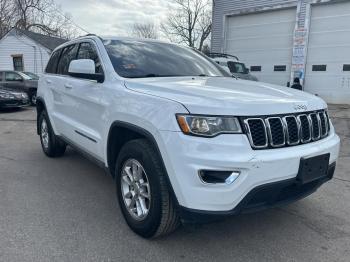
{"type": "Point", "coordinates": [162, 217]}
{"type": "Point", "coordinates": [55, 146]}
{"type": "Point", "coordinates": [32, 98]}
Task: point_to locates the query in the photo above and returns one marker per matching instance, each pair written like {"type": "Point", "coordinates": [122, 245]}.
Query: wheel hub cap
{"type": "Point", "coordinates": [44, 134]}
{"type": "Point", "coordinates": [135, 189]}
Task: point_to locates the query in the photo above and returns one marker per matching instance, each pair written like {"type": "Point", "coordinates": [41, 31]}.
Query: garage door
{"type": "Point", "coordinates": [264, 42]}
{"type": "Point", "coordinates": [328, 60]}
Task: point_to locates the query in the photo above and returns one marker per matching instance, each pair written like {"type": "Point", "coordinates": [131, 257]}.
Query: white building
{"type": "Point", "coordinates": [283, 39]}
{"type": "Point", "coordinates": [23, 50]}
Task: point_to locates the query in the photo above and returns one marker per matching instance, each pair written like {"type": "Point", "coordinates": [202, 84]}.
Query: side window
{"type": "Point", "coordinates": [88, 51]}
{"type": "Point", "coordinates": [12, 76]}
{"type": "Point", "coordinates": [52, 64]}
{"type": "Point", "coordinates": [1, 76]}
{"type": "Point", "coordinates": [68, 54]}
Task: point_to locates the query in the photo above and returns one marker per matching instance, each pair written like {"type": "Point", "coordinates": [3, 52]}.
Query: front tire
{"type": "Point", "coordinates": [32, 98]}
{"type": "Point", "coordinates": [50, 143]}
{"type": "Point", "coordinates": [142, 191]}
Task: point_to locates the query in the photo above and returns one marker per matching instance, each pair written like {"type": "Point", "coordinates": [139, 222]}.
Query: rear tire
{"type": "Point", "coordinates": [139, 165]}
{"type": "Point", "coordinates": [51, 144]}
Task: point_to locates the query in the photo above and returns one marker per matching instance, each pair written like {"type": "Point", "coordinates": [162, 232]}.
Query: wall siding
{"type": "Point", "coordinates": [35, 56]}
{"type": "Point", "coordinates": [224, 7]}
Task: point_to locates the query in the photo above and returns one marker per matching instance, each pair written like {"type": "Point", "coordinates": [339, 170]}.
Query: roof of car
{"type": "Point", "coordinates": [106, 38]}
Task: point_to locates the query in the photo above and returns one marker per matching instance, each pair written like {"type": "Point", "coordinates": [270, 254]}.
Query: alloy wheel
{"type": "Point", "coordinates": [135, 189]}
{"type": "Point", "coordinates": [44, 134]}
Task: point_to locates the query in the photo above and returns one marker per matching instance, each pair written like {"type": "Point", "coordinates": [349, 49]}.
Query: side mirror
{"type": "Point", "coordinates": [247, 70]}
{"type": "Point", "coordinates": [84, 68]}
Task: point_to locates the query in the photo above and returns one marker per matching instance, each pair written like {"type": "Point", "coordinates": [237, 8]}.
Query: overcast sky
{"type": "Point", "coordinates": [114, 17]}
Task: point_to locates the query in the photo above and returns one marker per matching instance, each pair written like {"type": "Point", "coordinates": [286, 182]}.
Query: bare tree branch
{"type": "Point", "coordinates": [42, 16]}
{"type": "Point", "coordinates": [190, 23]}
{"type": "Point", "coordinates": [148, 30]}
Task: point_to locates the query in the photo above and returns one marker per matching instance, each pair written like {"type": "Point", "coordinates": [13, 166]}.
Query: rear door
{"type": "Point", "coordinates": [85, 109]}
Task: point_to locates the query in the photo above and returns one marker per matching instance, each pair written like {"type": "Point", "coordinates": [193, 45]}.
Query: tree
{"type": "Point", "coordinates": [190, 23]}
{"type": "Point", "coordinates": [6, 13]}
{"type": "Point", "coordinates": [42, 16]}
{"type": "Point", "coordinates": [148, 30]}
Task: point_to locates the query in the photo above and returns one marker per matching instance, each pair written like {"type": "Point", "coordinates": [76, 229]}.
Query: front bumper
{"type": "Point", "coordinates": [8, 103]}
{"type": "Point", "coordinates": [185, 155]}
{"type": "Point", "coordinates": [262, 197]}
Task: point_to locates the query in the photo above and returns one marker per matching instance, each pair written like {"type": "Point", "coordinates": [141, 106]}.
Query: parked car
{"type": "Point", "coordinates": [232, 65]}
{"type": "Point", "coordinates": [18, 81]}
{"type": "Point", "coordinates": [9, 98]}
{"type": "Point", "coordinates": [183, 139]}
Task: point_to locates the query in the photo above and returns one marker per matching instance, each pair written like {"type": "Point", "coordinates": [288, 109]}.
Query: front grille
{"type": "Point", "coordinates": [305, 128]}
{"type": "Point", "coordinates": [315, 126]}
{"type": "Point", "coordinates": [258, 139]}
{"type": "Point", "coordinates": [288, 130]}
{"type": "Point", "coordinates": [275, 130]}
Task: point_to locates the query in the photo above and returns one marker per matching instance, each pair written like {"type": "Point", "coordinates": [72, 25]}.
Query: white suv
{"type": "Point", "coordinates": [183, 140]}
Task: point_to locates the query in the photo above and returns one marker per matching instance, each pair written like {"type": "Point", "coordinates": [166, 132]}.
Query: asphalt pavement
{"type": "Point", "coordinates": [65, 209]}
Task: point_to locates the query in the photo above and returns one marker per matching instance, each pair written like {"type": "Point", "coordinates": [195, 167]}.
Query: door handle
{"type": "Point", "coordinates": [48, 81]}
{"type": "Point", "coordinates": [68, 86]}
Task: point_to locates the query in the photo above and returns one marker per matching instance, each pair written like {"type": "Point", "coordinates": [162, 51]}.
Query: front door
{"type": "Point", "coordinates": [83, 109]}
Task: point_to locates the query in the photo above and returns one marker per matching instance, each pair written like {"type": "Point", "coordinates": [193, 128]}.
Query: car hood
{"type": "Point", "coordinates": [245, 76]}
{"type": "Point", "coordinates": [227, 96]}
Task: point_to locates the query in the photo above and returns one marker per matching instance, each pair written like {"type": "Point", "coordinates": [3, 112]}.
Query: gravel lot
{"type": "Point", "coordinates": [65, 210]}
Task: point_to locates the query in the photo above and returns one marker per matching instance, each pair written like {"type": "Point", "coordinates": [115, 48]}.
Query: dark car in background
{"type": "Point", "coordinates": [10, 98]}
{"type": "Point", "coordinates": [19, 82]}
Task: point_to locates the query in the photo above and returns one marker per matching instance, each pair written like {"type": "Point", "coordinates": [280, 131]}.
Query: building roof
{"type": "Point", "coordinates": [49, 42]}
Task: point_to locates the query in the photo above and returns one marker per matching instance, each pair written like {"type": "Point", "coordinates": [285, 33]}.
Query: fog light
{"type": "Point", "coordinates": [234, 175]}
{"type": "Point", "coordinates": [218, 177]}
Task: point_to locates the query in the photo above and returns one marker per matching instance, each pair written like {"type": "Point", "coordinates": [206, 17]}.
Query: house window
{"type": "Point", "coordinates": [279, 68]}
{"type": "Point", "coordinates": [319, 68]}
{"type": "Point", "coordinates": [255, 68]}
{"type": "Point", "coordinates": [346, 67]}
{"type": "Point", "coordinates": [18, 62]}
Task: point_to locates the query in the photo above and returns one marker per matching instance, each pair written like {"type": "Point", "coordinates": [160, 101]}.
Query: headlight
{"type": "Point", "coordinates": [24, 95]}
{"type": "Point", "coordinates": [208, 126]}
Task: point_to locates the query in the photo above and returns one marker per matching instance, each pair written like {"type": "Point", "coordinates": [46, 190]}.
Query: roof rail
{"type": "Point", "coordinates": [89, 35]}
{"type": "Point", "coordinates": [212, 55]}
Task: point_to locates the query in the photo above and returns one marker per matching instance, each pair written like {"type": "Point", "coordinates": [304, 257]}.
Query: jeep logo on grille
{"type": "Point", "coordinates": [299, 107]}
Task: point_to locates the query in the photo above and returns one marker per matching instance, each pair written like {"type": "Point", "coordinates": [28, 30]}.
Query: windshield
{"type": "Point", "coordinates": [236, 67]}
{"type": "Point", "coordinates": [24, 76]}
{"type": "Point", "coordinates": [32, 75]}
{"type": "Point", "coordinates": [137, 59]}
